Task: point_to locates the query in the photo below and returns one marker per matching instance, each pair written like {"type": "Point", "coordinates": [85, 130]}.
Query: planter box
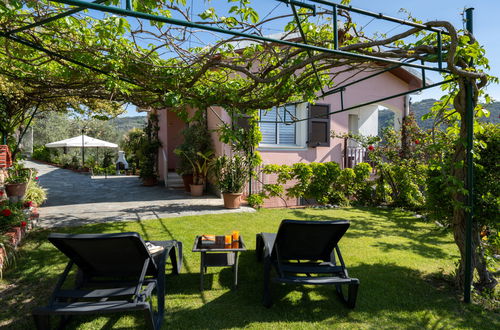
{"type": "Point", "coordinates": [17, 233]}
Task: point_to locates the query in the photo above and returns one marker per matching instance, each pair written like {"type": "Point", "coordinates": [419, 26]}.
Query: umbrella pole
{"type": "Point", "coordinates": [83, 150]}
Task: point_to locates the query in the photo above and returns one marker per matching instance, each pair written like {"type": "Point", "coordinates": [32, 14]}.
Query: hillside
{"type": "Point", "coordinates": [422, 107]}
{"type": "Point", "coordinates": [125, 124]}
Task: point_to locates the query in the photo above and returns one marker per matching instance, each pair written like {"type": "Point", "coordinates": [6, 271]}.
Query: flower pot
{"type": "Point", "coordinates": [15, 189]}
{"type": "Point", "coordinates": [196, 189]}
{"type": "Point", "coordinates": [187, 179]}
{"type": "Point", "coordinates": [149, 182]}
{"type": "Point", "coordinates": [232, 200]}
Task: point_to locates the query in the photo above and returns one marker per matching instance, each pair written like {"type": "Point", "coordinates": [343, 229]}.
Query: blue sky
{"type": "Point", "coordinates": [486, 26]}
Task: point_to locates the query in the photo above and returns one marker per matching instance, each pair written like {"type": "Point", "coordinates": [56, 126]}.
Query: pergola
{"type": "Point", "coordinates": [311, 5]}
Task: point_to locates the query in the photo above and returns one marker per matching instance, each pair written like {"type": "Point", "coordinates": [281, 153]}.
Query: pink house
{"type": "Point", "coordinates": [307, 140]}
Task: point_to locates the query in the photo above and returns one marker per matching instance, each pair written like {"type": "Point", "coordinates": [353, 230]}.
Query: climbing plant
{"type": "Point", "coordinates": [108, 58]}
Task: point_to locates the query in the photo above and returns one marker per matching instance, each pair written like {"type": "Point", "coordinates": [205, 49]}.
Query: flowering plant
{"type": "Point", "coordinates": [11, 214]}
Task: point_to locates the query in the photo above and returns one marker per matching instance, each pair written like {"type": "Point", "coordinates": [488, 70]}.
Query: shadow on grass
{"type": "Point", "coordinates": [387, 292]}
{"type": "Point", "coordinates": [389, 222]}
{"type": "Point", "coordinates": [390, 296]}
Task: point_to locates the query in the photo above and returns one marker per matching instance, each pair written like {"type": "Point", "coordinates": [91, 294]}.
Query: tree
{"type": "Point", "coordinates": [132, 144]}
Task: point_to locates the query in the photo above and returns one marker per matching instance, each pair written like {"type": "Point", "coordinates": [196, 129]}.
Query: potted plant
{"type": "Point", "coordinates": [17, 180]}
{"type": "Point", "coordinates": [196, 139]}
{"type": "Point", "coordinates": [200, 166]}
{"type": "Point", "coordinates": [148, 173]}
{"type": "Point", "coordinates": [231, 175]}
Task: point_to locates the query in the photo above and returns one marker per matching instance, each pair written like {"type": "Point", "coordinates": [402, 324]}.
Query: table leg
{"type": "Point", "coordinates": [235, 269]}
{"type": "Point", "coordinates": [202, 269]}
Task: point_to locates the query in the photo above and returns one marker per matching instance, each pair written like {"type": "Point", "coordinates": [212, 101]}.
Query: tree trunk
{"type": "Point", "coordinates": [478, 262]}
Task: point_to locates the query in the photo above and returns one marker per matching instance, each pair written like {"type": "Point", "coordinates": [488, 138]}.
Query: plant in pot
{"type": "Point", "coordinates": [231, 174]}
{"type": "Point", "coordinates": [196, 139]}
{"type": "Point", "coordinates": [201, 164]}
{"type": "Point", "coordinates": [17, 180]}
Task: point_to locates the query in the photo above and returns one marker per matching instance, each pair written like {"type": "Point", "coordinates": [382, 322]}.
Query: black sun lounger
{"type": "Point", "coordinates": [116, 273]}
{"type": "Point", "coordinates": [303, 252]}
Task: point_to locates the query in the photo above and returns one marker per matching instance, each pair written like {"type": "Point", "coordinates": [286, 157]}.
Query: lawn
{"type": "Point", "coordinates": [400, 260]}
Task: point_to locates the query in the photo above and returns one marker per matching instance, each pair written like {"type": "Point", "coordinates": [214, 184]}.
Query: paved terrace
{"type": "Point", "coordinates": [76, 199]}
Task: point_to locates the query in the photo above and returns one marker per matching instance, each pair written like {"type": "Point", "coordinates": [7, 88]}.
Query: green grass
{"type": "Point", "coordinates": [400, 261]}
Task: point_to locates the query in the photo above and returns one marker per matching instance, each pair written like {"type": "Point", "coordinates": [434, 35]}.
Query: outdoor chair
{"type": "Point", "coordinates": [115, 273]}
{"type": "Point", "coordinates": [303, 252]}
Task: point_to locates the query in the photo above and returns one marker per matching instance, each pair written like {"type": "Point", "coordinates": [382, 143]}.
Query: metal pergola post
{"type": "Point", "coordinates": [469, 124]}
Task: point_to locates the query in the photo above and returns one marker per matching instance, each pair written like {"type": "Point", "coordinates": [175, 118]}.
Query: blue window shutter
{"type": "Point", "coordinates": [287, 132]}
{"type": "Point", "coordinates": [268, 130]}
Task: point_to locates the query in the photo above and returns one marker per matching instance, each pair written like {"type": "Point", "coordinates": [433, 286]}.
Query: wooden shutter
{"type": "Point", "coordinates": [319, 125]}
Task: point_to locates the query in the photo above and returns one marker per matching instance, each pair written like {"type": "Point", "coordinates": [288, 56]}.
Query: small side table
{"type": "Point", "coordinates": [219, 255]}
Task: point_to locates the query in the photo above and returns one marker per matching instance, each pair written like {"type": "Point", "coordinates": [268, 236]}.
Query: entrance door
{"type": "Point", "coordinates": [174, 137]}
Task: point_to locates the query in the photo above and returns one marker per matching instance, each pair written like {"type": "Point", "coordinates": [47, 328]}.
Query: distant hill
{"type": "Point", "coordinates": [422, 107]}
{"type": "Point", "coordinates": [385, 119]}
{"type": "Point", "coordinates": [125, 124]}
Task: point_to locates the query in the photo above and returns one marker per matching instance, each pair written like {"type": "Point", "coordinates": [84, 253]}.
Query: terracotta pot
{"type": "Point", "coordinates": [187, 179]}
{"type": "Point", "coordinates": [15, 189]}
{"type": "Point", "coordinates": [196, 189]}
{"type": "Point", "coordinates": [232, 200]}
{"type": "Point", "coordinates": [149, 182]}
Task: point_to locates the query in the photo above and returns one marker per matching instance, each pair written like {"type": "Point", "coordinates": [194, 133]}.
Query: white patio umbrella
{"type": "Point", "coordinates": [81, 141]}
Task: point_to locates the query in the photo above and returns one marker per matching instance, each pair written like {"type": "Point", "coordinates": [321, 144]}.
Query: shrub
{"type": "Point", "coordinates": [256, 200]}
{"type": "Point", "coordinates": [326, 183]}
{"type": "Point", "coordinates": [35, 193]}
{"type": "Point", "coordinates": [43, 153]}
{"type": "Point", "coordinates": [65, 160]}
{"type": "Point", "coordinates": [363, 190]}
{"type": "Point", "coordinates": [231, 173]}
{"type": "Point", "coordinates": [407, 181]}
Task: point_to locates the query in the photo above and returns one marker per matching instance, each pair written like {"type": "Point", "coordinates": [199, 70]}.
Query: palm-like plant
{"type": "Point", "coordinates": [201, 165]}
{"type": "Point", "coordinates": [231, 173]}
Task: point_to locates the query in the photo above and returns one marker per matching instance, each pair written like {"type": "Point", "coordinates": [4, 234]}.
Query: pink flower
{"type": "Point", "coordinates": [6, 213]}
{"type": "Point", "coordinates": [23, 224]}
{"type": "Point", "coordinates": [370, 147]}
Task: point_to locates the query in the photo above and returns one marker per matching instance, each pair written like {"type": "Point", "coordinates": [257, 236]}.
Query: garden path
{"type": "Point", "coordinates": [75, 199]}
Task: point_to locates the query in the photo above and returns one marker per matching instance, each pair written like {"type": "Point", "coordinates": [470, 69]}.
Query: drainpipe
{"type": "Point", "coordinates": [406, 107]}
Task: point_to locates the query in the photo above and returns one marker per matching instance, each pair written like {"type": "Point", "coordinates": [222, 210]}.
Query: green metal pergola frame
{"type": "Point", "coordinates": [129, 11]}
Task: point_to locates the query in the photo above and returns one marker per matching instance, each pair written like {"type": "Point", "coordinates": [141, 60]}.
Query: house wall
{"type": "Point", "coordinates": [170, 136]}
{"type": "Point", "coordinates": [381, 86]}
{"type": "Point", "coordinates": [215, 117]}
{"type": "Point", "coordinates": [371, 89]}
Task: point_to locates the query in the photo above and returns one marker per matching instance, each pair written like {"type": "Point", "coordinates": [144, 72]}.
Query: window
{"type": "Point", "coordinates": [277, 128]}
{"type": "Point", "coordinates": [319, 125]}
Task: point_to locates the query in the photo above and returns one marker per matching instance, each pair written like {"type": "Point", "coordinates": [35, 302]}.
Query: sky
{"type": "Point", "coordinates": [486, 27]}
